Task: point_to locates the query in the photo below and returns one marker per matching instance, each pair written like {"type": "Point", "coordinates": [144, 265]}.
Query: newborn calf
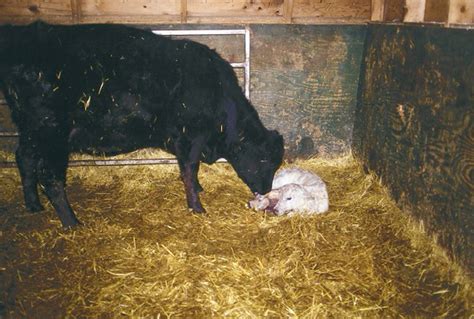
{"type": "Point", "coordinates": [294, 190]}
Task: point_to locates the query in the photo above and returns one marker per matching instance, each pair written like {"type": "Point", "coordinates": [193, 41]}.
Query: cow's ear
{"type": "Point", "coordinates": [277, 146]}
{"type": "Point", "coordinates": [277, 137]}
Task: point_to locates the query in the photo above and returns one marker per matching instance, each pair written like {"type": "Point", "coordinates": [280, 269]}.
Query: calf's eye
{"type": "Point", "coordinates": [288, 198]}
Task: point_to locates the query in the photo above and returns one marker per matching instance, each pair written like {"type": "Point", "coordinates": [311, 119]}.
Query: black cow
{"type": "Point", "coordinates": [110, 89]}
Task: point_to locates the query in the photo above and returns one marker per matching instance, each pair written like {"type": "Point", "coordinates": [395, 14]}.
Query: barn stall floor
{"type": "Point", "coordinates": [141, 253]}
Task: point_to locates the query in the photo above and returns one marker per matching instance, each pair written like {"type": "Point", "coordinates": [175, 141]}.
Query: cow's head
{"type": "Point", "coordinates": [256, 161]}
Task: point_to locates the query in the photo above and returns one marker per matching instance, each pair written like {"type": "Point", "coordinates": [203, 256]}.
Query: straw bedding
{"type": "Point", "coordinates": [142, 254]}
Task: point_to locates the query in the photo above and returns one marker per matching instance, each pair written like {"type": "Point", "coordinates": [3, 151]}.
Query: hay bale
{"type": "Point", "coordinates": [143, 254]}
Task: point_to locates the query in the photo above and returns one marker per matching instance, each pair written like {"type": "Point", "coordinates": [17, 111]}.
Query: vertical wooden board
{"type": "Point", "coordinates": [414, 126]}
{"type": "Point", "coordinates": [415, 11]}
{"type": "Point", "coordinates": [304, 83]}
{"type": "Point", "coordinates": [184, 10]}
{"type": "Point", "coordinates": [394, 10]}
{"type": "Point", "coordinates": [378, 10]}
{"type": "Point", "coordinates": [461, 11]}
{"type": "Point", "coordinates": [436, 10]}
{"type": "Point", "coordinates": [235, 8]}
{"type": "Point", "coordinates": [332, 8]}
{"type": "Point", "coordinates": [130, 7]}
{"type": "Point", "coordinates": [288, 10]}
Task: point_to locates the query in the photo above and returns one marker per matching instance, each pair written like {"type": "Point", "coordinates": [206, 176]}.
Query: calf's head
{"type": "Point", "coordinates": [280, 201]}
{"type": "Point", "coordinates": [256, 161]}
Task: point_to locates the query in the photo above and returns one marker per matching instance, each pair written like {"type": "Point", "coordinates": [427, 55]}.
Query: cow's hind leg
{"type": "Point", "coordinates": [188, 153]}
{"type": "Point", "coordinates": [27, 161]}
{"type": "Point", "coordinates": [52, 168]}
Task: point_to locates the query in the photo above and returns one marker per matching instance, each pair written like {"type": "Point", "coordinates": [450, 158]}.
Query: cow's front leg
{"type": "Point", "coordinates": [189, 176]}
{"type": "Point", "coordinates": [187, 153]}
{"type": "Point", "coordinates": [52, 167]}
{"type": "Point", "coordinates": [27, 161]}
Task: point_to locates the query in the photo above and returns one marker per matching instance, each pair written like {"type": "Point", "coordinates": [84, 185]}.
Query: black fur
{"type": "Point", "coordinates": [110, 89]}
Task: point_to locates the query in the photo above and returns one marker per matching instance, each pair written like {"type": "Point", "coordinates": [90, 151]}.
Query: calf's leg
{"type": "Point", "coordinates": [27, 161]}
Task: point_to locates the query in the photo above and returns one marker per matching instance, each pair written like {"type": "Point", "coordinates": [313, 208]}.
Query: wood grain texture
{"type": "Point", "coordinates": [377, 10]}
{"type": "Point", "coordinates": [35, 7]}
{"type": "Point", "coordinates": [25, 11]}
{"type": "Point", "coordinates": [235, 8]}
{"type": "Point", "coordinates": [288, 12]}
{"type": "Point", "coordinates": [185, 11]}
{"type": "Point", "coordinates": [436, 10]}
{"type": "Point", "coordinates": [461, 11]}
{"type": "Point", "coordinates": [332, 8]}
{"type": "Point", "coordinates": [131, 7]}
{"type": "Point", "coordinates": [415, 10]}
{"type": "Point", "coordinates": [414, 126]}
{"type": "Point", "coordinates": [394, 10]}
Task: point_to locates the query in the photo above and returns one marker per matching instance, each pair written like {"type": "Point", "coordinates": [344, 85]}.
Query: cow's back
{"type": "Point", "coordinates": [121, 88]}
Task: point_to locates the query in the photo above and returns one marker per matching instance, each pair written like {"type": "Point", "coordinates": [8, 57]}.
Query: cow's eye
{"type": "Point", "coordinates": [288, 198]}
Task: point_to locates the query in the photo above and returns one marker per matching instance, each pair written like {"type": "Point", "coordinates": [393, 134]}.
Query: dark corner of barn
{"type": "Point", "coordinates": [414, 126]}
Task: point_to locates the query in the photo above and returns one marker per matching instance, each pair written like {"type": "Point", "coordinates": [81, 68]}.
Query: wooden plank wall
{"type": "Point", "coordinates": [185, 11]}
{"type": "Point", "coordinates": [448, 12]}
{"type": "Point", "coordinates": [414, 126]}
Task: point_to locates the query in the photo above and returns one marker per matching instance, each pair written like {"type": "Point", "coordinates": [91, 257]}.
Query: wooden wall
{"type": "Point", "coordinates": [414, 126]}
{"type": "Point", "coordinates": [448, 12]}
{"type": "Point", "coordinates": [185, 11]}
{"type": "Point", "coordinates": [304, 83]}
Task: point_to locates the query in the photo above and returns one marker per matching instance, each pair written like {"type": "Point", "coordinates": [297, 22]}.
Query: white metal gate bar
{"type": "Point", "coordinates": [123, 162]}
{"type": "Point", "coordinates": [9, 134]}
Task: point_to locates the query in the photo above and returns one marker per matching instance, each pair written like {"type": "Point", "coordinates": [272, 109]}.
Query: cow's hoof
{"type": "Point", "coordinates": [198, 210]}
{"type": "Point", "coordinates": [34, 208]}
{"type": "Point", "coordinates": [71, 226]}
{"type": "Point", "coordinates": [71, 223]}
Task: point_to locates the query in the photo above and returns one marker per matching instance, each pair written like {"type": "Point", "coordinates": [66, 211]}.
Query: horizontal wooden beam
{"type": "Point", "coordinates": [184, 11]}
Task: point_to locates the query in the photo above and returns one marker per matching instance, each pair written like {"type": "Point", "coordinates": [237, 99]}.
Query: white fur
{"type": "Point", "coordinates": [294, 190]}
